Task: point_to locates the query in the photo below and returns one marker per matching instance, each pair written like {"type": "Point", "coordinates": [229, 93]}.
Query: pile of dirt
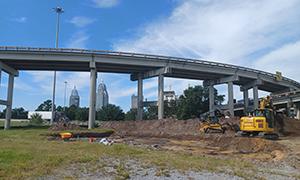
{"type": "Point", "coordinates": [244, 145]}
{"type": "Point", "coordinates": [62, 126]}
{"type": "Point", "coordinates": [169, 128]}
{"type": "Point", "coordinates": [292, 127]}
{"type": "Point", "coordinates": [155, 128]}
{"type": "Point", "coordinates": [231, 124]}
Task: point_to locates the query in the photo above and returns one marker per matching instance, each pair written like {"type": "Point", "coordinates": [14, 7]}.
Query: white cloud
{"type": "Point", "coordinates": [248, 33]}
{"type": "Point", "coordinates": [105, 3]}
{"type": "Point", "coordinates": [78, 40]}
{"type": "Point", "coordinates": [43, 81]}
{"type": "Point", "coordinates": [284, 59]}
{"type": "Point", "coordinates": [228, 31]}
{"type": "Point", "coordinates": [20, 19]}
{"type": "Point", "coordinates": [81, 21]}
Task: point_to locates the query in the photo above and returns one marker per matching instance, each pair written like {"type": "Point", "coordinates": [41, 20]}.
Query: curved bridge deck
{"type": "Point", "coordinates": [26, 58]}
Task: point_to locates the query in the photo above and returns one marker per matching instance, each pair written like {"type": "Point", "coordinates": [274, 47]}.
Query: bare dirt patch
{"type": "Point", "coordinates": [182, 131]}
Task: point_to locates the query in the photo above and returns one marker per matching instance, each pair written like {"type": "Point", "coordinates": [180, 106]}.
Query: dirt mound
{"type": "Point", "coordinates": [62, 126]}
{"type": "Point", "coordinates": [189, 130]}
{"type": "Point", "coordinates": [244, 145]}
{"type": "Point", "coordinates": [155, 128]}
{"type": "Point", "coordinates": [169, 128]}
{"type": "Point", "coordinates": [292, 126]}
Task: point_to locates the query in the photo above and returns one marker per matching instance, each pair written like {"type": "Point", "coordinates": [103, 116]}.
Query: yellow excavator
{"type": "Point", "coordinates": [261, 121]}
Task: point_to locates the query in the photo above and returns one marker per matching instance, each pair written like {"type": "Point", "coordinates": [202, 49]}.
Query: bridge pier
{"type": "Point", "coordinates": [140, 98]}
{"type": "Point", "coordinates": [12, 73]}
{"type": "Point", "coordinates": [92, 106]}
{"type": "Point", "coordinates": [211, 91]}
{"type": "Point", "coordinates": [160, 101]}
{"type": "Point", "coordinates": [255, 97]}
{"type": "Point", "coordinates": [298, 112]}
{"type": "Point", "coordinates": [9, 101]}
{"type": "Point", "coordinates": [246, 101]}
{"type": "Point", "coordinates": [230, 98]}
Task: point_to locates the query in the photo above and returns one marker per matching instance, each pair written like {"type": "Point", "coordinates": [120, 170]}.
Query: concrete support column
{"type": "Point", "coordinates": [288, 108]}
{"type": "Point", "coordinates": [255, 97]}
{"type": "Point", "coordinates": [0, 76]}
{"type": "Point", "coordinates": [9, 100]}
{"type": "Point", "coordinates": [140, 99]}
{"type": "Point", "coordinates": [246, 100]}
{"type": "Point", "coordinates": [298, 113]}
{"type": "Point", "coordinates": [230, 98]}
{"type": "Point", "coordinates": [211, 100]}
{"type": "Point", "coordinates": [92, 107]}
{"type": "Point", "coordinates": [160, 97]}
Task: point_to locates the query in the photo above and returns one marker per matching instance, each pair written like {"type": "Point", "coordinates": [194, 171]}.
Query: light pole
{"type": "Point", "coordinates": [59, 11]}
{"type": "Point", "coordinates": [65, 96]}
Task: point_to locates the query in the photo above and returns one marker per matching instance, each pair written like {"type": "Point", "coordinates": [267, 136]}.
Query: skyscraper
{"type": "Point", "coordinates": [102, 96]}
{"type": "Point", "coordinates": [74, 98]}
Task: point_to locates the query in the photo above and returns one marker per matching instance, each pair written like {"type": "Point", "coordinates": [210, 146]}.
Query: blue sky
{"type": "Point", "coordinates": [259, 34]}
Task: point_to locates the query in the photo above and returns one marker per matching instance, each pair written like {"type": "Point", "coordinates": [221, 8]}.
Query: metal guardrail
{"type": "Point", "coordinates": [138, 55]}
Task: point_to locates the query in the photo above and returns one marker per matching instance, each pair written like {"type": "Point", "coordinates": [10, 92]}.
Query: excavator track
{"type": "Point", "coordinates": [271, 136]}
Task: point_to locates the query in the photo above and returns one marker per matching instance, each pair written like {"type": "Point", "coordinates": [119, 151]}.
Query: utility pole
{"type": "Point", "coordinates": [65, 96]}
{"type": "Point", "coordinates": [58, 10]}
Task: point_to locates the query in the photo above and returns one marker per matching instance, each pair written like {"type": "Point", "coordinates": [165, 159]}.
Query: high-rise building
{"type": "Point", "coordinates": [169, 96]}
{"type": "Point", "coordinates": [74, 98]}
{"type": "Point", "coordinates": [134, 102]}
{"type": "Point", "coordinates": [102, 96]}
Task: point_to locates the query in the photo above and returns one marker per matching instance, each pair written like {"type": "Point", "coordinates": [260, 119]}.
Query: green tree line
{"type": "Point", "coordinates": [192, 103]}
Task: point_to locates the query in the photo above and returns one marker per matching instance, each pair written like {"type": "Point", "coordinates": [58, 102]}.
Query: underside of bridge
{"type": "Point", "coordinates": [140, 66]}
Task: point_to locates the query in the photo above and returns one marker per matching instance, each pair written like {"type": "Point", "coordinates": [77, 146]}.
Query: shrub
{"type": "Point", "coordinates": [36, 119]}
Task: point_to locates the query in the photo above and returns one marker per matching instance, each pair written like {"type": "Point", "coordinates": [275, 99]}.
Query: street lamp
{"type": "Point", "coordinates": [58, 11]}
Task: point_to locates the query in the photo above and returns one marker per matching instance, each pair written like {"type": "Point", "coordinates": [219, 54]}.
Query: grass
{"type": "Point", "coordinates": [24, 153]}
{"type": "Point", "coordinates": [14, 123]}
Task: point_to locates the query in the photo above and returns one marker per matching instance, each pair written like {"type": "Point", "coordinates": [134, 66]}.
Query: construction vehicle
{"type": "Point", "coordinates": [261, 121]}
{"type": "Point", "coordinates": [208, 127]}
{"type": "Point", "coordinates": [212, 125]}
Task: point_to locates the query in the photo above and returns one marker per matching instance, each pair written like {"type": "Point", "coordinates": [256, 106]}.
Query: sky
{"type": "Point", "coordinates": [262, 34]}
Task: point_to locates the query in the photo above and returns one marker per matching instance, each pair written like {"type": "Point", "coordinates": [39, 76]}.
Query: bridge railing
{"type": "Point", "coordinates": [139, 55]}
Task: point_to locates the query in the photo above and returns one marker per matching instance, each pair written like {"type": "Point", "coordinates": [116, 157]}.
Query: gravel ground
{"type": "Point", "coordinates": [109, 168]}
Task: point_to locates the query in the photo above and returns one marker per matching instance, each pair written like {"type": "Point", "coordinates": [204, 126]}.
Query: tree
{"type": "Point", "coordinates": [170, 108]}
{"type": "Point", "coordinates": [82, 114]}
{"type": "Point", "coordinates": [45, 106]}
{"type": "Point", "coordinates": [59, 109]}
{"type": "Point", "coordinates": [36, 119]}
{"type": "Point", "coordinates": [195, 101]}
{"type": "Point", "coordinates": [131, 114]}
{"type": "Point", "coordinates": [19, 113]}
{"type": "Point", "coordinates": [151, 113]}
{"type": "Point", "coordinates": [16, 113]}
{"type": "Point", "coordinates": [110, 113]}
{"type": "Point", "coordinates": [71, 112]}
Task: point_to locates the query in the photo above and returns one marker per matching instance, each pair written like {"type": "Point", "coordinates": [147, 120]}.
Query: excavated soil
{"type": "Point", "coordinates": [163, 133]}
{"type": "Point", "coordinates": [166, 128]}
{"type": "Point", "coordinates": [245, 145]}
{"type": "Point", "coordinates": [292, 127]}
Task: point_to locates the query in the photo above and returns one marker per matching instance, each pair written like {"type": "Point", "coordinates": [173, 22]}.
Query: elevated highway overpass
{"type": "Point", "coordinates": [139, 66]}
